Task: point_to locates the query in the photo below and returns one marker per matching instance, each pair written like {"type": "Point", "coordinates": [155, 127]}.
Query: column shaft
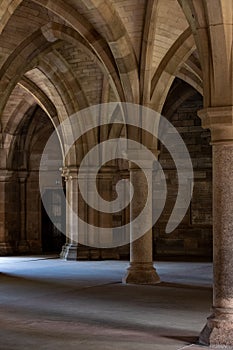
{"type": "Point", "coordinates": [69, 251]}
{"type": "Point", "coordinates": [219, 328]}
{"type": "Point", "coordinates": [6, 244]}
{"type": "Point", "coordinates": [141, 270]}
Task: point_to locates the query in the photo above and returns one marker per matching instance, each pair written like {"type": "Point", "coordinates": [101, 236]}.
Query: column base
{"type": "Point", "coordinates": [79, 252]}
{"type": "Point", "coordinates": [218, 331]}
{"type": "Point", "coordinates": [69, 251]}
{"type": "Point", "coordinates": [141, 273]}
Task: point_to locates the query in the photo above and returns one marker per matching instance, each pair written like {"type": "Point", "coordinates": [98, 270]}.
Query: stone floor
{"type": "Point", "coordinates": [50, 304]}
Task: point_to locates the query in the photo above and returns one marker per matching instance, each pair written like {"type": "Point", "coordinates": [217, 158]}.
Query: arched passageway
{"type": "Point", "coordinates": [174, 56]}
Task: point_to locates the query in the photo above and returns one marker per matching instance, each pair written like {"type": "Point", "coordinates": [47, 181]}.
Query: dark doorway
{"type": "Point", "coordinates": [53, 221]}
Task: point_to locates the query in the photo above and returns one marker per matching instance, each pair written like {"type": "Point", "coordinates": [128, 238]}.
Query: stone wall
{"type": "Point", "coordinates": [194, 235]}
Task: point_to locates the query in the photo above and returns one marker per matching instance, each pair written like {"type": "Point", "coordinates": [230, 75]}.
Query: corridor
{"type": "Point", "coordinates": [48, 303]}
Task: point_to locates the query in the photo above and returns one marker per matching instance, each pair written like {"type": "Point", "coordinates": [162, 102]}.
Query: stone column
{"type": "Point", "coordinates": [23, 246]}
{"type": "Point", "coordinates": [5, 239]}
{"type": "Point", "coordinates": [219, 328]}
{"type": "Point", "coordinates": [69, 251]}
{"type": "Point", "coordinates": [141, 269]}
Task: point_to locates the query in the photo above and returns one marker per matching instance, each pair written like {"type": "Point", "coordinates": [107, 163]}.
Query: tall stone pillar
{"type": "Point", "coordinates": [141, 269]}
{"type": "Point", "coordinates": [219, 328]}
{"type": "Point", "coordinates": [76, 247]}
{"type": "Point", "coordinates": [6, 247]}
{"type": "Point", "coordinates": [69, 251]}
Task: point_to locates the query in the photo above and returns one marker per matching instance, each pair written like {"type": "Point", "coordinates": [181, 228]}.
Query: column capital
{"type": "Point", "coordinates": [69, 172]}
{"type": "Point", "coordinates": [220, 121]}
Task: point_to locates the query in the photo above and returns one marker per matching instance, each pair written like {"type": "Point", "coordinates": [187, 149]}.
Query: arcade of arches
{"type": "Point", "coordinates": [173, 56]}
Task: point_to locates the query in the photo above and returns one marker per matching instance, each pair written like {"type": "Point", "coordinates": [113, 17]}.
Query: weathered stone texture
{"type": "Point", "coordinates": [194, 235]}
